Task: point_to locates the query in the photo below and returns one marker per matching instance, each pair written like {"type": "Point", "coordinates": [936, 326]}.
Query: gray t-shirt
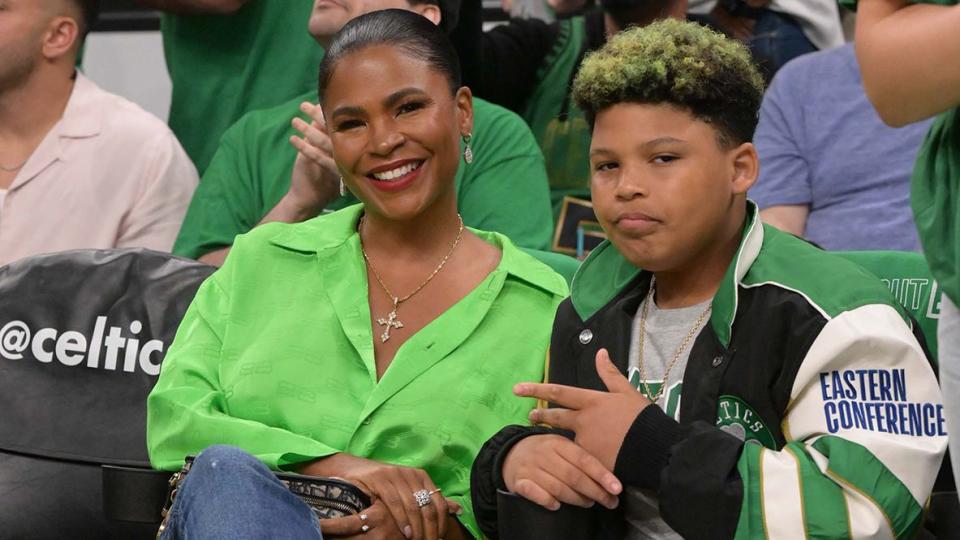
{"type": "Point", "coordinates": [665, 330]}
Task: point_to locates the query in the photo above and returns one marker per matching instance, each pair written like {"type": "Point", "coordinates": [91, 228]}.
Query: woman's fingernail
{"type": "Point", "coordinates": [615, 487]}
{"type": "Point", "coordinates": [459, 511]}
{"type": "Point", "coordinates": [407, 531]}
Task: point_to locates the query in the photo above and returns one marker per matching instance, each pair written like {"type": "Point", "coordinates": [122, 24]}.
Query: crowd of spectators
{"type": "Point", "coordinates": [248, 148]}
{"type": "Point", "coordinates": [244, 110]}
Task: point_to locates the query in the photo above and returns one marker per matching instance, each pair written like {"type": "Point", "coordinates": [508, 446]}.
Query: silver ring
{"type": "Point", "coordinates": [422, 497]}
{"type": "Point", "coordinates": [363, 517]}
{"type": "Point", "coordinates": [365, 528]}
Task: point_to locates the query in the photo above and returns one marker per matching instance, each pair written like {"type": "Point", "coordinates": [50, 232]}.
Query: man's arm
{"type": "Point", "coordinates": [169, 180]}
{"type": "Point", "coordinates": [791, 218]}
{"type": "Point", "coordinates": [908, 55]}
{"type": "Point", "coordinates": [195, 7]}
{"type": "Point", "coordinates": [783, 190]}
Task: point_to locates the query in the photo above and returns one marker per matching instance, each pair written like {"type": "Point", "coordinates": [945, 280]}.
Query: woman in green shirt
{"type": "Point", "coordinates": [377, 344]}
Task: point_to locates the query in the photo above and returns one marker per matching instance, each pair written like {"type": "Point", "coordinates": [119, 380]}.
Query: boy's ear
{"type": "Point", "coordinates": [746, 168]}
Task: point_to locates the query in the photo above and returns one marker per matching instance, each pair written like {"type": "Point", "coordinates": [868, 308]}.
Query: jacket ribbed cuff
{"type": "Point", "coordinates": [645, 451]}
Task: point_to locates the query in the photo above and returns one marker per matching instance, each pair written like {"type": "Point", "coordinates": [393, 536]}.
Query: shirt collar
{"type": "Point", "coordinates": [82, 116]}
{"type": "Point", "coordinates": [332, 231]}
{"type": "Point", "coordinates": [605, 274]}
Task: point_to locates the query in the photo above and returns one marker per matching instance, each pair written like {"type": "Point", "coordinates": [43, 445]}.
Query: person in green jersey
{"type": "Point", "coordinates": [528, 66]}
{"type": "Point", "coordinates": [257, 176]}
{"type": "Point", "coordinates": [377, 343]}
{"type": "Point", "coordinates": [228, 57]}
{"type": "Point", "coordinates": [908, 54]}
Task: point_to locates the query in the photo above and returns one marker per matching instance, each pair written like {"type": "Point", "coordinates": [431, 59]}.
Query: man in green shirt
{"type": "Point", "coordinates": [256, 175]}
{"type": "Point", "coordinates": [908, 54]}
{"type": "Point", "coordinates": [228, 57]}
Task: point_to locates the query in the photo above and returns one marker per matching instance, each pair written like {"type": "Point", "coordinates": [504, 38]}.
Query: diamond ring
{"type": "Point", "coordinates": [423, 497]}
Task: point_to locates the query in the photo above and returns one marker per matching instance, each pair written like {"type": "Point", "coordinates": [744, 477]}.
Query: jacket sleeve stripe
{"type": "Point", "coordinates": [824, 507]}
{"type": "Point", "coordinates": [855, 466]}
{"type": "Point", "coordinates": [866, 519]}
{"type": "Point", "coordinates": [783, 500]}
{"type": "Point", "coordinates": [750, 466]}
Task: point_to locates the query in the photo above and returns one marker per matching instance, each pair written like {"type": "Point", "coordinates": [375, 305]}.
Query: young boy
{"type": "Point", "coordinates": [789, 393]}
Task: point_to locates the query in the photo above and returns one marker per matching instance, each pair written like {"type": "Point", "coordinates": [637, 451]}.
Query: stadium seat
{"type": "Point", "coordinates": [82, 335]}
{"type": "Point", "coordinates": [564, 265]}
{"type": "Point", "coordinates": [910, 281]}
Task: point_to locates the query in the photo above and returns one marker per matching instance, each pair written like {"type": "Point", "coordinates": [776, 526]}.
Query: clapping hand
{"type": "Point", "coordinates": [315, 181]}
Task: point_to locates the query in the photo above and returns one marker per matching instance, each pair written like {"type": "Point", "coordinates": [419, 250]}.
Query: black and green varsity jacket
{"type": "Point", "coordinates": [838, 407]}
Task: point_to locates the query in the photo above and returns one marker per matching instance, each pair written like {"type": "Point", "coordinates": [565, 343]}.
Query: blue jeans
{"type": "Point", "coordinates": [230, 495]}
{"type": "Point", "coordinates": [776, 40]}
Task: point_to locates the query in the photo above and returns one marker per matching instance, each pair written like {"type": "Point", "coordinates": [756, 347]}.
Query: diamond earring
{"type": "Point", "coordinates": [467, 152]}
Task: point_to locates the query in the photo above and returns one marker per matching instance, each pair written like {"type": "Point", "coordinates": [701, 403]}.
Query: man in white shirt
{"type": "Point", "coordinates": [79, 167]}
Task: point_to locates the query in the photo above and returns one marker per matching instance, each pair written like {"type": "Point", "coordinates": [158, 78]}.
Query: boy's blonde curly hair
{"type": "Point", "coordinates": [678, 63]}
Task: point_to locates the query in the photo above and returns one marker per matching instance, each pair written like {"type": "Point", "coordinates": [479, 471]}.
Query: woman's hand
{"type": "Point", "coordinates": [377, 519]}
{"type": "Point", "coordinates": [315, 181]}
{"type": "Point", "coordinates": [394, 486]}
{"type": "Point", "coordinates": [379, 526]}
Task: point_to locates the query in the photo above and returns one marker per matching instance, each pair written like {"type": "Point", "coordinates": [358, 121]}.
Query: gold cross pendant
{"type": "Point", "coordinates": [390, 322]}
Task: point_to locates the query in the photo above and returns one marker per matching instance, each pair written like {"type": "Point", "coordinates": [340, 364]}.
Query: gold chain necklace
{"type": "Point", "coordinates": [392, 321]}
{"type": "Point", "coordinates": [683, 344]}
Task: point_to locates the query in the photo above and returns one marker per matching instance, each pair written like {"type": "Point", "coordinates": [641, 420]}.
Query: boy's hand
{"type": "Point", "coordinates": [600, 419]}
{"type": "Point", "coordinates": [550, 469]}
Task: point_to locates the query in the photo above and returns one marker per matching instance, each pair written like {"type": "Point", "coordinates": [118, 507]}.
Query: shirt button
{"type": "Point", "coordinates": [586, 336]}
{"type": "Point", "coordinates": [717, 360]}
{"type": "Point", "coordinates": [366, 422]}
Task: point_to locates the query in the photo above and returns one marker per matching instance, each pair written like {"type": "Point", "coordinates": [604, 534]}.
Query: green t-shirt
{"type": "Point", "coordinates": [223, 66]}
{"type": "Point", "coordinates": [292, 377]}
{"type": "Point", "coordinates": [558, 124]}
{"type": "Point", "coordinates": [934, 194]}
{"type": "Point", "coordinates": [504, 189]}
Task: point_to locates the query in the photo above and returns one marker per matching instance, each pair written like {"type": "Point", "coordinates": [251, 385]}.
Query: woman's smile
{"type": "Point", "coordinates": [397, 175]}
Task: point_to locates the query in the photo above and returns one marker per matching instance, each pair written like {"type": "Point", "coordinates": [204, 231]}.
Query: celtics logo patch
{"type": "Point", "coordinates": [740, 420]}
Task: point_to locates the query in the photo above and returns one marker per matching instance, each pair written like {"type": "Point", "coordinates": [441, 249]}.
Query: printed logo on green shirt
{"type": "Point", "coordinates": [740, 420]}
{"type": "Point", "coordinates": [672, 398]}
